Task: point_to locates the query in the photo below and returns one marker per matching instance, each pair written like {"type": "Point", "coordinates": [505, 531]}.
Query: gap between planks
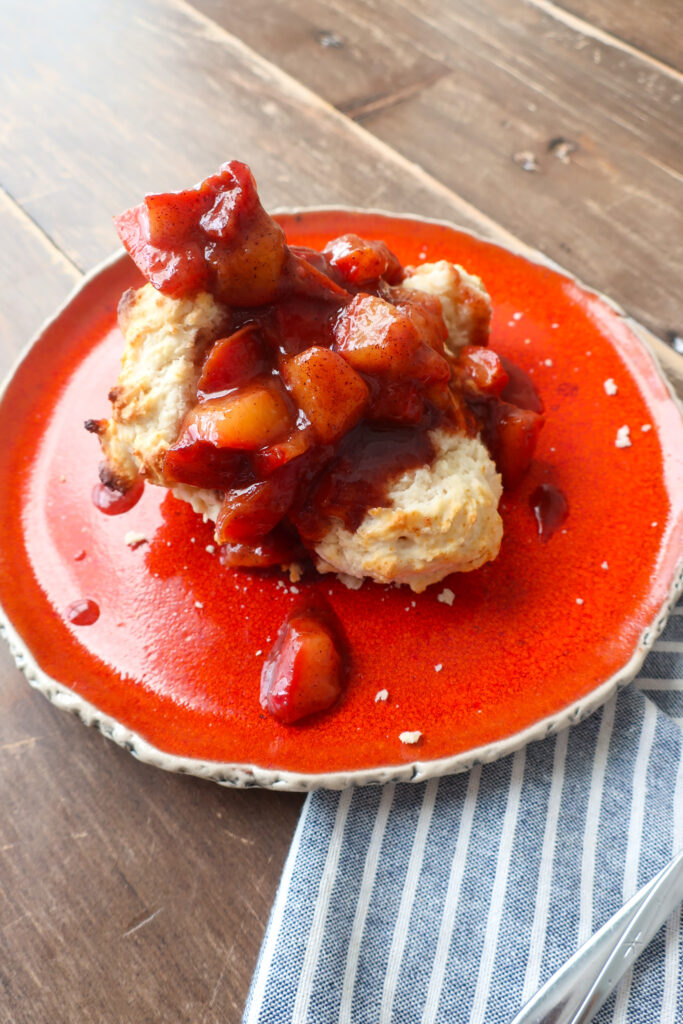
{"type": "Point", "coordinates": [294, 89]}
{"type": "Point", "coordinates": [585, 28]}
{"type": "Point", "coordinates": [57, 255]}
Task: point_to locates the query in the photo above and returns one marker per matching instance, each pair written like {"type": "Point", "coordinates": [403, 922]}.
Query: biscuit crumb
{"type": "Point", "coordinates": [410, 737]}
{"type": "Point", "coordinates": [623, 437]}
{"type": "Point", "coordinates": [610, 386]}
{"type": "Point", "coordinates": [381, 695]}
{"type": "Point", "coordinates": [446, 596]}
{"type": "Point", "coordinates": [134, 540]}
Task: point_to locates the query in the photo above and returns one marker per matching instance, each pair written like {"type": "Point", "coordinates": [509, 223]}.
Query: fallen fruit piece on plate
{"type": "Point", "coordinates": [326, 403]}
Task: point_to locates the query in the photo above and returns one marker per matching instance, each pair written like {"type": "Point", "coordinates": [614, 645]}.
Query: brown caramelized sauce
{"type": "Point", "coordinates": [550, 507]}
{"type": "Point", "coordinates": [114, 503]}
{"type": "Point", "coordinates": [83, 612]}
{"type": "Point", "coordinates": [359, 477]}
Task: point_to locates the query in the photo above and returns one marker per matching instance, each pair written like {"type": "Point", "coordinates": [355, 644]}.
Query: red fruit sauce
{"type": "Point", "coordinates": [514, 644]}
{"type": "Point", "coordinates": [83, 612]}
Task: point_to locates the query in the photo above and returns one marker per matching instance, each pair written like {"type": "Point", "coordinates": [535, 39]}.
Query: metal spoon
{"type": "Point", "coordinates": [576, 992]}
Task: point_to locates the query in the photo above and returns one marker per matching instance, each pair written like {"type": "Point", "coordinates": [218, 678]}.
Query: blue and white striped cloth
{"type": "Point", "coordinates": [454, 900]}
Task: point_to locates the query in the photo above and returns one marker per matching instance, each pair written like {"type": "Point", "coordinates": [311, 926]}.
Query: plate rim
{"type": "Point", "coordinates": [243, 775]}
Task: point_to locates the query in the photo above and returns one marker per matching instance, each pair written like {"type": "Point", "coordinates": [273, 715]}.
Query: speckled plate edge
{"type": "Point", "coordinates": [243, 776]}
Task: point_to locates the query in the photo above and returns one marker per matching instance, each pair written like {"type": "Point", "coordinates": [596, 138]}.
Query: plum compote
{"type": "Point", "coordinates": [332, 375]}
{"type": "Point", "coordinates": [325, 389]}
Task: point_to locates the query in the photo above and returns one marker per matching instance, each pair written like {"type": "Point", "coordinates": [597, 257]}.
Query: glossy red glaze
{"type": "Point", "coordinates": [515, 645]}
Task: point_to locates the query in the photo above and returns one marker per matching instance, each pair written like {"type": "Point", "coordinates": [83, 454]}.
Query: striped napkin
{"type": "Point", "coordinates": [454, 900]}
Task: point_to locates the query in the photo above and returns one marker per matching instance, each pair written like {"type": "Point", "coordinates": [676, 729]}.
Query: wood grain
{"type": "Point", "coordinates": [652, 28]}
{"type": "Point", "coordinates": [110, 146]}
{"type": "Point", "coordinates": [570, 142]}
{"type": "Point", "coordinates": [34, 278]}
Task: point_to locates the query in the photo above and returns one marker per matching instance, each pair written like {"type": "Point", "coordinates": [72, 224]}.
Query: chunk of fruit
{"type": "Point", "coordinates": [378, 339]}
{"type": "Point", "coordinates": [482, 370]}
{"type": "Point", "coordinates": [233, 361]}
{"type": "Point", "coordinates": [361, 262]}
{"type": "Point", "coordinates": [306, 273]}
{"type": "Point", "coordinates": [247, 271]}
{"type": "Point", "coordinates": [425, 312]}
{"type": "Point", "coordinates": [266, 460]}
{"type": "Point", "coordinates": [215, 234]}
{"type": "Point", "coordinates": [202, 464]}
{"type": "Point", "coordinates": [253, 511]}
{"type": "Point", "coordinates": [396, 402]}
{"type": "Point", "coordinates": [176, 271]}
{"type": "Point", "coordinates": [511, 436]}
{"type": "Point", "coordinates": [255, 415]}
{"type": "Point", "coordinates": [173, 216]}
{"type": "Point", "coordinates": [330, 393]}
{"type": "Point", "coordinates": [305, 671]}
{"type": "Point", "coordinates": [298, 323]}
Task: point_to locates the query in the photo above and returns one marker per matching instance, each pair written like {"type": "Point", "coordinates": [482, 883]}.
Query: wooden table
{"type": "Point", "coordinates": [129, 895]}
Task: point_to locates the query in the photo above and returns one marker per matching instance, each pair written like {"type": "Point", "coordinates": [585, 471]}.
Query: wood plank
{"type": "Point", "coordinates": [600, 127]}
{"type": "Point", "coordinates": [34, 278]}
{"type": "Point", "coordinates": [653, 28]}
{"type": "Point", "coordinates": [126, 894]}
{"type": "Point", "coordinates": [74, 155]}
{"type": "Point", "coordinates": [326, 46]}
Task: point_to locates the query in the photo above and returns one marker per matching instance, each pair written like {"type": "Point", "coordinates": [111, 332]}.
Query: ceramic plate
{"type": "Point", "coordinates": [479, 664]}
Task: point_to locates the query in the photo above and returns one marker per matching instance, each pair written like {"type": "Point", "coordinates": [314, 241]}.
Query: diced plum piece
{"type": "Point", "coordinates": [246, 272]}
{"type": "Point", "coordinates": [511, 436]}
{"type": "Point", "coordinates": [175, 271]}
{"type": "Point", "coordinates": [299, 322]}
{"type": "Point", "coordinates": [173, 216]}
{"type": "Point", "coordinates": [307, 274]}
{"type": "Point", "coordinates": [396, 402]}
{"type": "Point", "coordinates": [234, 199]}
{"type": "Point", "coordinates": [255, 415]}
{"type": "Point", "coordinates": [305, 670]}
{"type": "Point", "coordinates": [266, 460]}
{"type": "Point", "coordinates": [330, 393]}
{"type": "Point", "coordinates": [378, 339]}
{"type": "Point", "coordinates": [202, 464]}
{"type": "Point", "coordinates": [426, 315]}
{"type": "Point", "coordinates": [361, 262]}
{"type": "Point", "coordinates": [234, 361]}
{"type": "Point", "coordinates": [255, 510]}
{"type": "Point", "coordinates": [482, 369]}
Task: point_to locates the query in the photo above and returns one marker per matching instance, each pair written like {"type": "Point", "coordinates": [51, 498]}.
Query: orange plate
{"type": "Point", "coordinates": [176, 654]}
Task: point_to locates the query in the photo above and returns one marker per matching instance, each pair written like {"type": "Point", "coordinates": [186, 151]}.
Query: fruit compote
{"type": "Point", "coordinates": [331, 379]}
{"type": "Point", "coordinates": [326, 388]}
